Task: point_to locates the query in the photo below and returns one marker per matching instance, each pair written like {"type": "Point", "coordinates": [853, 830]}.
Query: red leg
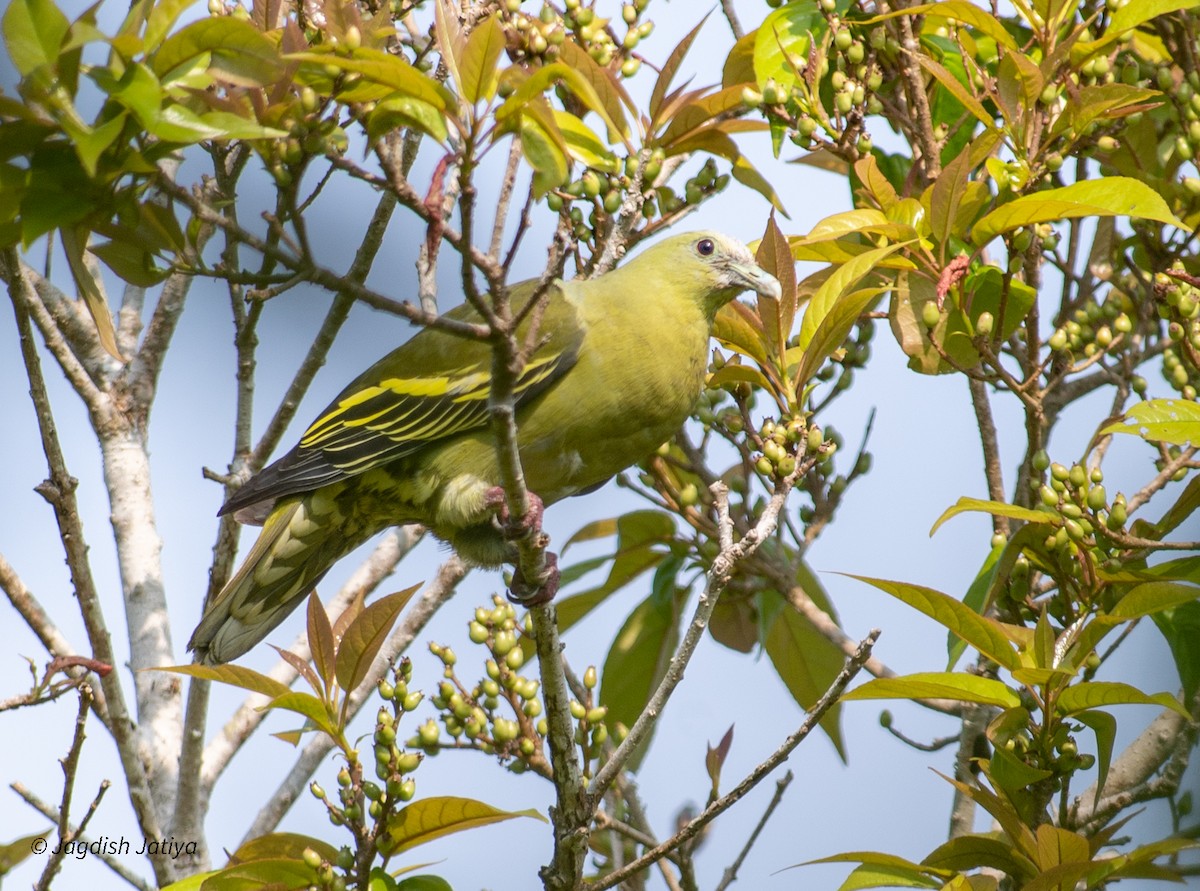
{"type": "Point", "coordinates": [524, 594]}
{"type": "Point", "coordinates": [521, 591]}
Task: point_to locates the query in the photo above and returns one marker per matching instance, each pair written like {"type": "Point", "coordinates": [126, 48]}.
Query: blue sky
{"type": "Point", "coordinates": [926, 455]}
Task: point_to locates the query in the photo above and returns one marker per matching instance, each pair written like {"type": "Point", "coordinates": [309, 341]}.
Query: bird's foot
{"type": "Point", "coordinates": [524, 594]}
{"type": "Point", "coordinates": [530, 524]}
{"type": "Point", "coordinates": [522, 591]}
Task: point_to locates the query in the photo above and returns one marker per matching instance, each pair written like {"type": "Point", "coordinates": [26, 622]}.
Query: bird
{"type": "Point", "coordinates": [618, 366]}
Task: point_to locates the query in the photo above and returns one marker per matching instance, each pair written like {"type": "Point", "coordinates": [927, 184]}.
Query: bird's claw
{"type": "Point", "coordinates": [524, 594]}
{"type": "Point", "coordinates": [530, 524]}
{"type": "Point", "coordinates": [522, 591]}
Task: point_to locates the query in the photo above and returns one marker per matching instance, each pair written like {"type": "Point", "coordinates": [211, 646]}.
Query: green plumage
{"type": "Point", "coordinates": [620, 363]}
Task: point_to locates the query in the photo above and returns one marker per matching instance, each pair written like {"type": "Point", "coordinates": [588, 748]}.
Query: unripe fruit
{"type": "Point", "coordinates": [984, 323]}
{"type": "Point", "coordinates": [930, 314]}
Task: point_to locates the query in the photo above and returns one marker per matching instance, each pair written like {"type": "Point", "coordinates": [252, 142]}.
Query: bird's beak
{"type": "Point", "coordinates": [754, 278]}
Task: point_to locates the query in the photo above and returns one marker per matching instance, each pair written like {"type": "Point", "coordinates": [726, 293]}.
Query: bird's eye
{"type": "Point", "coordinates": [705, 247]}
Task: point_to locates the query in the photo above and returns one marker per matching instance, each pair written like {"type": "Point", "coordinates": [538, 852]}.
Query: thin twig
{"type": "Point", "coordinates": [731, 872]}
{"type": "Point", "coordinates": [717, 577]}
{"type": "Point", "coordinates": [70, 766]}
{"type": "Point", "coordinates": [849, 671]}
{"type": "Point", "coordinates": [107, 859]}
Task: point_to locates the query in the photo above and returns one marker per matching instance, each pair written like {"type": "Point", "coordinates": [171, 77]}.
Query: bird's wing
{"type": "Point", "coordinates": [433, 387]}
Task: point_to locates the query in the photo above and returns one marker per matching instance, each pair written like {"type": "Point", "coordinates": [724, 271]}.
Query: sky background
{"type": "Point", "coordinates": [926, 455]}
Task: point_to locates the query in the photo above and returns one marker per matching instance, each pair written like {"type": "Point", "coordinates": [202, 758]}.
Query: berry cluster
{"type": "Point", "coordinates": [361, 804]}
{"type": "Point", "coordinates": [501, 714]}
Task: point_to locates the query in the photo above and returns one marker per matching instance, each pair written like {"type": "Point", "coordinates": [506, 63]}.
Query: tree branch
{"type": "Point", "coordinates": [853, 665]}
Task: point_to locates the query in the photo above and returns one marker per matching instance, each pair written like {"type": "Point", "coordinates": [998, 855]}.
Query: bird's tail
{"type": "Point", "coordinates": [300, 540]}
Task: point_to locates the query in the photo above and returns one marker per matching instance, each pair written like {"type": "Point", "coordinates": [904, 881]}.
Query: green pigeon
{"type": "Point", "coordinates": [619, 365]}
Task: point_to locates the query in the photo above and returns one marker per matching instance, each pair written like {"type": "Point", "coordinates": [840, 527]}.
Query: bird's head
{"type": "Point", "coordinates": [713, 267]}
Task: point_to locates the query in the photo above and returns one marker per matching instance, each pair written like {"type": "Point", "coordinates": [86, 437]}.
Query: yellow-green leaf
{"type": "Point", "coordinates": [981, 632]}
{"type": "Point", "coordinates": [384, 69]}
{"type": "Point", "coordinates": [582, 143]}
{"type": "Point", "coordinates": [234, 675]}
{"type": "Point", "coordinates": [1096, 694]}
{"type": "Point", "coordinates": [74, 241]}
{"type": "Point", "coordinates": [240, 53]}
{"type": "Point", "coordinates": [477, 67]}
{"type": "Point", "coordinates": [1175, 421]}
{"type": "Point", "coordinates": [995, 508]}
{"type": "Point", "coordinates": [842, 280]}
{"type": "Point", "coordinates": [33, 31]}
{"type": "Point", "coordinates": [431, 818]}
{"type": "Point", "coordinates": [1110, 196]}
{"type": "Point", "coordinates": [938, 685]}
{"type": "Point", "coordinates": [1125, 19]}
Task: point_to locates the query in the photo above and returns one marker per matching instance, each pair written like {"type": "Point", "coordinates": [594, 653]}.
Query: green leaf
{"type": "Point", "coordinates": [638, 657]}
{"type": "Point", "coordinates": [995, 508]}
{"type": "Point", "coordinates": [981, 632]}
{"type": "Point", "coordinates": [423, 883]}
{"type": "Point", "coordinates": [405, 111]}
{"type": "Point", "coordinates": [544, 155]}
{"type": "Point", "coordinates": [430, 818]}
{"type": "Point", "coordinates": [948, 192]}
{"type": "Point", "coordinates": [937, 685]}
{"type": "Point", "coordinates": [17, 850]}
{"type": "Point", "coordinates": [957, 90]}
{"type": "Point", "coordinates": [477, 67]}
{"type": "Point", "coordinates": [831, 333]}
{"type": "Point", "coordinates": [74, 241]}
{"type": "Point", "coordinates": [1176, 421]}
{"type": "Point", "coordinates": [448, 34]}
{"type": "Point", "coordinates": [787, 34]}
{"type": "Point", "coordinates": [605, 95]}
{"type": "Point", "coordinates": [1125, 19]}
{"type": "Point", "coordinates": [34, 31]}
{"type": "Point", "coordinates": [233, 675]}
{"type": "Point", "coordinates": [278, 872]}
{"type": "Point", "coordinates": [1104, 725]}
{"type": "Point", "coordinates": [738, 69]}
{"type": "Point", "coordinates": [774, 256]}
{"type": "Point", "coordinates": [976, 600]}
{"type": "Point", "coordinates": [132, 263]}
{"type": "Point", "coordinates": [969, 852]}
{"type": "Point", "coordinates": [366, 635]}
{"type": "Point", "coordinates": [1110, 196]}
{"type": "Point", "coordinates": [747, 174]}
{"type": "Point", "coordinates": [1181, 628]}
{"type": "Point", "coordinates": [1182, 508]}
{"type": "Point", "coordinates": [965, 12]}
{"type": "Point", "coordinates": [699, 113]}
{"type": "Point", "coordinates": [883, 870]}
{"type": "Point", "coordinates": [307, 706]}
{"type": "Point", "coordinates": [1095, 694]}
{"type": "Point", "coordinates": [240, 52]}
{"type": "Point", "coordinates": [807, 662]}
{"type": "Point", "coordinates": [1151, 597]}
{"type": "Point", "coordinates": [738, 328]}
{"type": "Point", "coordinates": [1012, 774]}
{"type": "Point", "coordinates": [282, 845]}
{"type": "Point", "coordinates": [871, 875]}
{"type": "Point", "coordinates": [383, 69]}
{"type": "Point", "coordinates": [843, 279]}
{"type": "Point", "coordinates": [162, 18]}
{"type": "Point", "coordinates": [582, 143]}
